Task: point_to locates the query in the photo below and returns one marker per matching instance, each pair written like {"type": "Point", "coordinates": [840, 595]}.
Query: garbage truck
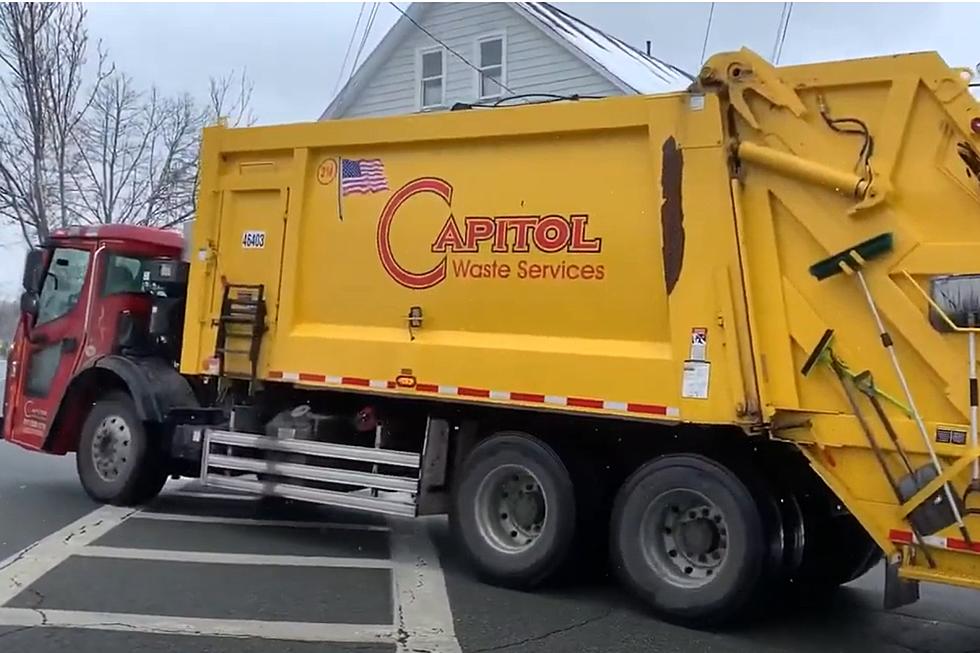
{"type": "Point", "coordinates": [724, 338]}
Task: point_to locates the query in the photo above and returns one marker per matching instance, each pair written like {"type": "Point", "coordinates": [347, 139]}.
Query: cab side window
{"type": "Point", "coordinates": [62, 287]}
{"type": "Point", "coordinates": [123, 275]}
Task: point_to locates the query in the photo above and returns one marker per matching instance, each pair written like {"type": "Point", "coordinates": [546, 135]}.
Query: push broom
{"type": "Point", "coordinates": [851, 262]}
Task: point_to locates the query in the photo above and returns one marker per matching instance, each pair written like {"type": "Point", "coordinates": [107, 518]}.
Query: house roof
{"type": "Point", "coordinates": [617, 61]}
{"type": "Point", "coordinates": [627, 68]}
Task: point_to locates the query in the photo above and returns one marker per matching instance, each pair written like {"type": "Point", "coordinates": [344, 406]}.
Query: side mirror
{"type": "Point", "coordinates": [33, 265]}
{"type": "Point", "coordinates": [29, 303]}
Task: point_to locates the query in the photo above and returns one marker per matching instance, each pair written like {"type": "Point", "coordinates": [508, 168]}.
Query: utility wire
{"type": "Point", "coordinates": [350, 47]}
{"type": "Point", "coordinates": [707, 32]}
{"type": "Point", "coordinates": [367, 31]}
{"type": "Point", "coordinates": [458, 55]}
{"type": "Point", "coordinates": [784, 19]}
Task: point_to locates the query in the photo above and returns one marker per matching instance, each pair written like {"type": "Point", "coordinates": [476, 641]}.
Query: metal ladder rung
{"type": "Point", "coordinates": [325, 497]}
{"type": "Point", "coordinates": [312, 473]}
{"type": "Point", "coordinates": [313, 448]}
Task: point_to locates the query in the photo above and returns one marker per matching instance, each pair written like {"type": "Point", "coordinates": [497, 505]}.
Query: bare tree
{"type": "Point", "coordinates": [67, 105]}
{"type": "Point", "coordinates": [138, 151]}
{"type": "Point", "coordinates": [42, 56]}
{"type": "Point", "coordinates": [230, 99]}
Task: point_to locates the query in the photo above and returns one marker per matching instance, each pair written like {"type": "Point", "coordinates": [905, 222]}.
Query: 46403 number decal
{"type": "Point", "coordinates": [253, 240]}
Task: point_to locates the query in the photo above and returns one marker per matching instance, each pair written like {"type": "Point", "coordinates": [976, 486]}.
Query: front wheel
{"type": "Point", "coordinates": [115, 460]}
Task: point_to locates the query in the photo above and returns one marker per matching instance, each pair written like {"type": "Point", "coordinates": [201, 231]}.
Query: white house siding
{"type": "Point", "coordinates": [534, 63]}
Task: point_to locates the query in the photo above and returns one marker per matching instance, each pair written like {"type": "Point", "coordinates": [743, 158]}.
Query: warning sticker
{"type": "Point", "coordinates": [699, 344]}
{"type": "Point", "coordinates": [695, 385]}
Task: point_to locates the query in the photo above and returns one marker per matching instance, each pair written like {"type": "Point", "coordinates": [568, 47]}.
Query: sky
{"type": "Point", "coordinates": [293, 52]}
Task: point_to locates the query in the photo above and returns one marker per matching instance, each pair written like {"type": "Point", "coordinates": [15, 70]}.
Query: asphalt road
{"type": "Point", "coordinates": [104, 580]}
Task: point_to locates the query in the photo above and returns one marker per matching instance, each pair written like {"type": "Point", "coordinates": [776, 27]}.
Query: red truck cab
{"type": "Point", "coordinates": [85, 293]}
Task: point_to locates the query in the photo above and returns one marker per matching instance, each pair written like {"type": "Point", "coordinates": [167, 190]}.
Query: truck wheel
{"type": "Point", "coordinates": [513, 511]}
{"type": "Point", "coordinates": [114, 460]}
{"type": "Point", "coordinates": [687, 537]}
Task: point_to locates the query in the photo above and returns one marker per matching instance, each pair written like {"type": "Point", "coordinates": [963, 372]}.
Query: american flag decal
{"type": "Point", "coordinates": [362, 176]}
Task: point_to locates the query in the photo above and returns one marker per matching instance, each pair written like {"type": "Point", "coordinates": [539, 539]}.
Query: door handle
{"type": "Point", "coordinates": [69, 345]}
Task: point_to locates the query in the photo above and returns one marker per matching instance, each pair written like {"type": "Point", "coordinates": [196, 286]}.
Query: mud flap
{"type": "Point", "coordinates": [898, 591]}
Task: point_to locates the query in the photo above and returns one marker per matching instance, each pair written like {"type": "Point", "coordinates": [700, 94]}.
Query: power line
{"type": "Point", "coordinates": [707, 32]}
{"type": "Point", "coordinates": [350, 47]}
{"type": "Point", "coordinates": [781, 29]}
{"type": "Point", "coordinates": [367, 31]}
{"type": "Point", "coordinates": [458, 55]}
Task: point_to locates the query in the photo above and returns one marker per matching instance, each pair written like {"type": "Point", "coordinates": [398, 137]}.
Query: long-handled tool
{"type": "Point", "coordinates": [823, 353]}
{"type": "Point", "coordinates": [851, 262]}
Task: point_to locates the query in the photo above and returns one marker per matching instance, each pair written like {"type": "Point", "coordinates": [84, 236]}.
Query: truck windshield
{"type": "Point", "coordinates": [63, 283]}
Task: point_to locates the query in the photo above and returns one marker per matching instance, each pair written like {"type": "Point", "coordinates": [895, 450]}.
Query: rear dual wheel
{"type": "Point", "coordinates": [514, 510]}
{"type": "Point", "coordinates": [703, 545]}
{"type": "Point", "coordinates": [687, 537]}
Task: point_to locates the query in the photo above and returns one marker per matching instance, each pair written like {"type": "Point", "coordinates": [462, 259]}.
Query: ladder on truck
{"type": "Point", "coordinates": [402, 483]}
{"type": "Point", "coordinates": [242, 318]}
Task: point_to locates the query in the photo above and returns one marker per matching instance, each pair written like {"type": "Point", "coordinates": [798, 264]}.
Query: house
{"type": "Point", "coordinates": [440, 54]}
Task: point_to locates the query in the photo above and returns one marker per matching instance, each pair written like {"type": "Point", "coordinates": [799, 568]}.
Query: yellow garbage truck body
{"type": "Point", "coordinates": [778, 258]}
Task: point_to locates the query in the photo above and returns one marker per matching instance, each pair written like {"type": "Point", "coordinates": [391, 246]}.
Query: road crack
{"type": "Point", "coordinates": [550, 633]}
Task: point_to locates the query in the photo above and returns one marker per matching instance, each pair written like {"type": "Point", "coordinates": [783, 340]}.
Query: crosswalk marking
{"type": "Point", "coordinates": [247, 521]}
{"type": "Point", "coordinates": [422, 618]}
{"type": "Point", "coordinates": [282, 630]}
{"type": "Point", "coordinates": [423, 614]}
{"type": "Point", "coordinates": [210, 557]}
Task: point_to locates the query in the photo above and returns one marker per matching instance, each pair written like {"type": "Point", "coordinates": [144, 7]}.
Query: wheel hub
{"type": "Point", "coordinates": [111, 448]}
{"type": "Point", "coordinates": [511, 508]}
{"type": "Point", "coordinates": [685, 537]}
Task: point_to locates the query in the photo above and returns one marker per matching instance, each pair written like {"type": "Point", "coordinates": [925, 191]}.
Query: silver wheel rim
{"type": "Point", "coordinates": [684, 536]}
{"type": "Point", "coordinates": [511, 508]}
{"type": "Point", "coordinates": [111, 448]}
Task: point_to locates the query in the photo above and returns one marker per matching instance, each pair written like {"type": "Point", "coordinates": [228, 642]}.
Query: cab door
{"type": "Point", "coordinates": [48, 350]}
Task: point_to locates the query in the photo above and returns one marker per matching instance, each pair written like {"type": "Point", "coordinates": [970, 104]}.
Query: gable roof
{"type": "Point", "coordinates": [627, 68]}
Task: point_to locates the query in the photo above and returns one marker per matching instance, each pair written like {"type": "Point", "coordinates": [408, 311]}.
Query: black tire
{"type": "Point", "coordinates": [837, 551]}
{"type": "Point", "coordinates": [715, 595]}
{"type": "Point", "coordinates": [545, 555]}
{"type": "Point", "coordinates": [139, 475]}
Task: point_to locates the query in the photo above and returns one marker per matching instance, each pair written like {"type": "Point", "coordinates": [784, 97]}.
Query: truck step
{"type": "Point", "coordinates": [228, 456]}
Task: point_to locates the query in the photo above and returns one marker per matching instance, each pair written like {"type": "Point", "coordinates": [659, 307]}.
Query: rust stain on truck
{"type": "Point", "coordinates": [672, 212]}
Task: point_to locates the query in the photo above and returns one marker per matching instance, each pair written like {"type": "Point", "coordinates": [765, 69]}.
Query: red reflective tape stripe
{"type": "Point", "coordinates": [529, 397]}
{"type": "Point", "coordinates": [320, 378]}
{"type": "Point", "coordinates": [391, 384]}
{"type": "Point", "coordinates": [900, 536]}
{"type": "Point", "coordinates": [472, 392]}
{"type": "Point", "coordinates": [646, 408]}
{"type": "Point", "coordinates": [275, 375]}
{"type": "Point", "coordinates": [578, 402]}
{"type": "Point", "coordinates": [352, 380]}
{"type": "Point", "coordinates": [426, 387]}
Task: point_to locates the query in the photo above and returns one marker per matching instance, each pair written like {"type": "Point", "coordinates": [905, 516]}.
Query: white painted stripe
{"type": "Point", "coordinates": [555, 400]}
{"type": "Point", "coordinates": [500, 395]}
{"type": "Point", "coordinates": [210, 557]}
{"type": "Point", "coordinates": [673, 412]}
{"type": "Point", "coordinates": [614, 405]}
{"type": "Point", "coordinates": [448, 390]}
{"type": "Point", "coordinates": [23, 568]}
{"type": "Point", "coordinates": [224, 496]}
{"type": "Point", "coordinates": [934, 540]}
{"type": "Point", "coordinates": [337, 380]}
{"type": "Point", "coordinates": [422, 609]}
{"type": "Point", "coordinates": [245, 521]}
{"type": "Point", "coordinates": [290, 376]}
{"type": "Point", "coordinates": [374, 383]}
{"type": "Point", "coordinates": [141, 623]}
